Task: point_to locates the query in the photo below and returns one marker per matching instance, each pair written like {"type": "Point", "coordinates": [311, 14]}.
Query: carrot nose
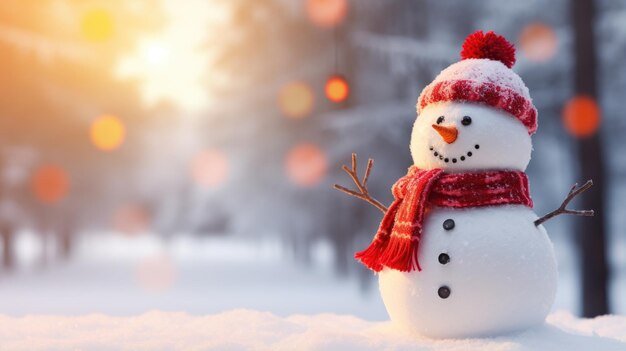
{"type": "Point", "coordinates": [449, 134]}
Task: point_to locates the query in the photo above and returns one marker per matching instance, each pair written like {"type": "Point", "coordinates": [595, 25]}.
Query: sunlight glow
{"type": "Point", "coordinates": [171, 66]}
{"type": "Point", "coordinates": [155, 54]}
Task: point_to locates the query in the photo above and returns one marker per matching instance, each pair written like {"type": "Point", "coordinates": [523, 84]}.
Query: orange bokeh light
{"type": "Point", "coordinates": [209, 168]}
{"type": "Point", "coordinates": [157, 273]}
{"type": "Point", "coordinates": [327, 13]}
{"type": "Point", "coordinates": [97, 25]}
{"type": "Point", "coordinates": [538, 42]}
{"type": "Point", "coordinates": [50, 184]}
{"type": "Point", "coordinates": [306, 165]}
{"type": "Point", "coordinates": [296, 100]}
{"type": "Point", "coordinates": [107, 133]}
{"type": "Point", "coordinates": [337, 89]}
{"type": "Point", "coordinates": [581, 116]}
{"type": "Point", "coordinates": [131, 219]}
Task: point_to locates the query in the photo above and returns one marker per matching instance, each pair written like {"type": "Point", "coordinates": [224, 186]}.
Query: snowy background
{"type": "Point", "coordinates": [159, 155]}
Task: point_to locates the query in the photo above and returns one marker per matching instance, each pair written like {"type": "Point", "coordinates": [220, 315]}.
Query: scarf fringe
{"type": "Point", "coordinates": [398, 254]}
{"type": "Point", "coordinates": [401, 255]}
{"type": "Point", "coordinates": [370, 256]}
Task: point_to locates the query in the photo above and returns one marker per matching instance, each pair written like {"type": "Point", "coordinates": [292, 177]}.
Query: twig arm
{"type": "Point", "coordinates": [574, 191]}
{"type": "Point", "coordinates": [363, 193]}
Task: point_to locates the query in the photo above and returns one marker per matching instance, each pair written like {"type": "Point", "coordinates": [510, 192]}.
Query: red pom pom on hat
{"type": "Point", "coordinates": [490, 45]}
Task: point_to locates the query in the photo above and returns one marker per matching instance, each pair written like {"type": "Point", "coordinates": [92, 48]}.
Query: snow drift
{"type": "Point", "coordinates": [253, 330]}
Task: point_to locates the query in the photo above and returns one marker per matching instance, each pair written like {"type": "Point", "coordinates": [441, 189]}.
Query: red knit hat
{"type": "Point", "coordinates": [484, 76]}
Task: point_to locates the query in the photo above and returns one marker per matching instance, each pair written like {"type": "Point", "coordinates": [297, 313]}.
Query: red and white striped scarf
{"type": "Point", "coordinates": [396, 242]}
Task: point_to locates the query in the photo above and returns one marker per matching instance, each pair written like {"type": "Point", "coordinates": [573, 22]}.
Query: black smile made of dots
{"type": "Point", "coordinates": [437, 154]}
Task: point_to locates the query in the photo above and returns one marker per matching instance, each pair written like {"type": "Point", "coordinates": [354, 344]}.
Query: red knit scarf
{"type": "Point", "coordinates": [397, 241]}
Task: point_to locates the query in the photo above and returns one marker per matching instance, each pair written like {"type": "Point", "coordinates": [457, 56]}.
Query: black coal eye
{"type": "Point", "coordinates": [466, 121]}
{"type": "Point", "coordinates": [440, 120]}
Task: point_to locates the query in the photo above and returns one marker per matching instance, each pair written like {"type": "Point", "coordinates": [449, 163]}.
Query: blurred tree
{"type": "Point", "coordinates": [257, 49]}
{"type": "Point", "coordinates": [591, 230]}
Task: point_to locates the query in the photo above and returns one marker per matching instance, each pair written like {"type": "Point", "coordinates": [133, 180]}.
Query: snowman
{"type": "Point", "coordinates": [460, 252]}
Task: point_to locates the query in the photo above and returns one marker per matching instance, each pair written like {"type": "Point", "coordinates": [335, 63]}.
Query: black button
{"type": "Point", "coordinates": [448, 224]}
{"type": "Point", "coordinates": [444, 292]}
{"type": "Point", "coordinates": [444, 258]}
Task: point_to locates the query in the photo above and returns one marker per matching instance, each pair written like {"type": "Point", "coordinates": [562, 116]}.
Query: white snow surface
{"type": "Point", "coordinates": [254, 330]}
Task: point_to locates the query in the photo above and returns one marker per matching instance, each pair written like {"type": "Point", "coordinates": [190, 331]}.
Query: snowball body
{"type": "Point", "coordinates": [501, 274]}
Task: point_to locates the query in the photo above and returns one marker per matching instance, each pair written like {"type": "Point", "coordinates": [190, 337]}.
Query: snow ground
{"type": "Point", "coordinates": [98, 301]}
{"type": "Point", "coordinates": [119, 275]}
{"type": "Point", "coordinates": [254, 330]}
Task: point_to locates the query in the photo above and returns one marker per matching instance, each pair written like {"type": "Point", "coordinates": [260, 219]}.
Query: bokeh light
{"type": "Point", "coordinates": [337, 89]}
{"type": "Point", "coordinates": [209, 168]}
{"type": "Point", "coordinates": [306, 165]}
{"type": "Point", "coordinates": [156, 273]}
{"type": "Point", "coordinates": [97, 25]}
{"type": "Point", "coordinates": [296, 100]}
{"type": "Point", "coordinates": [50, 184]}
{"type": "Point", "coordinates": [107, 133]}
{"type": "Point", "coordinates": [131, 219]}
{"type": "Point", "coordinates": [538, 42]}
{"type": "Point", "coordinates": [327, 13]}
{"type": "Point", "coordinates": [581, 116]}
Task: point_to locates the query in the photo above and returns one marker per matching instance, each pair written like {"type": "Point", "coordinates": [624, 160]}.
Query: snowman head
{"type": "Point", "coordinates": [459, 136]}
{"type": "Point", "coordinates": [477, 113]}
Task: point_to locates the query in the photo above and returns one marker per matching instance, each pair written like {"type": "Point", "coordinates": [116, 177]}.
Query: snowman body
{"type": "Point", "coordinates": [487, 271]}
{"type": "Point", "coordinates": [484, 270]}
